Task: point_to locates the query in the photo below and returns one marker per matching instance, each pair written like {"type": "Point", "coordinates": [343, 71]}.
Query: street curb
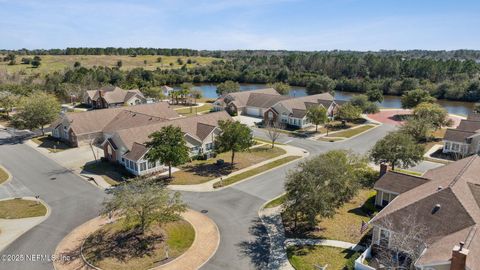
{"type": "Point", "coordinates": [356, 135]}
{"type": "Point", "coordinates": [10, 176]}
{"type": "Point", "coordinates": [41, 218]}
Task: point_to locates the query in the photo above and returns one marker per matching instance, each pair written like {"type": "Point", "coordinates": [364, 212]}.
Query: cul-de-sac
{"type": "Point", "coordinates": [225, 134]}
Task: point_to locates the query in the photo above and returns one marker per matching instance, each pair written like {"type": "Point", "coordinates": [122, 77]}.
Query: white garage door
{"type": "Point", "coordinates": [253, 111]}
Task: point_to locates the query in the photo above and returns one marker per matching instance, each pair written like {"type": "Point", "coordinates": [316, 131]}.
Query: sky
{"type": "Point", "coordinates": [241, 24]}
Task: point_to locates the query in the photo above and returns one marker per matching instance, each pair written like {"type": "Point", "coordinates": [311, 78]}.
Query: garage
{"type": "Point", "coordinates": [252, 111]}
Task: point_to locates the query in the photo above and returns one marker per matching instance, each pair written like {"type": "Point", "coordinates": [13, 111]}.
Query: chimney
{"type": "Point", "coordinates": [459, 257]}
{"type": "Point", "coordinates": [383, 169]}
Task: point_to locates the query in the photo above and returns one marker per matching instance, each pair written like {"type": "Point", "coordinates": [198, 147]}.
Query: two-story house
{"type": "Point", "coordinates": [464, 140]}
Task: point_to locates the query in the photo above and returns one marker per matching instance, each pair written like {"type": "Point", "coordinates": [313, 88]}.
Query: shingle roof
{"type": "Point", "coordinates": [399, 182]}
{"type": "Point", "coordinates": [474, 117]}
{"type": "Point", "coordinates": [95, 120]}
{"type": "Point", "coordinates": [261, 100]}
{"type": "Point", "coordinates": [137, 151]}
{"type": "Point", "coordinates": [188, 125]}
{"type": "Point", "coordinates": [302, 103]}
{"type": "Point", "coordinates": [450, 187]}
{"type": "Point", "coordinates": [469, 125]}
{"type": "Point", "coordinates": [241, 98]}
{"type": "Point", "coordinates": [113, 94]}
{"type": "Point", "coordinates": [457, 135]}
{"type": "Point", "coordinates": [128, 119]}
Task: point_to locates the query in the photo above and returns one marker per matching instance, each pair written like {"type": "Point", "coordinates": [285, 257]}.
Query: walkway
{"type": "Point", "coordinates": [208, 186]}
{"type": "Point", "coordinates": [207, 239]}
{"type": "Point", "coordinates": [278, 242]}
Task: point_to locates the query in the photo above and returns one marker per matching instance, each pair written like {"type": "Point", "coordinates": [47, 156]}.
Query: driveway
{"type": "Point", "coordinates": [247, 120]}
{"type": "Point", "coordinates": [72, 200]}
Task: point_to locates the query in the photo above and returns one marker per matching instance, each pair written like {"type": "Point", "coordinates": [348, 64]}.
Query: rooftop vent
{"type": "Point", "coordinates": [439, 188]}
{"type": "Point", "coordinates": [436, 208]}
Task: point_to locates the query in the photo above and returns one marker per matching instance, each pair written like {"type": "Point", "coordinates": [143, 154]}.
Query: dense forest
{"type": "Point", "coordinates": [452, 75]}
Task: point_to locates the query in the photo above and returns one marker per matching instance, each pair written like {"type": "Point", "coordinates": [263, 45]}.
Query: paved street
{"type": "Point", "coordinates": [244, 242]}
{"type": "Point", "coordinates": [72, 200]}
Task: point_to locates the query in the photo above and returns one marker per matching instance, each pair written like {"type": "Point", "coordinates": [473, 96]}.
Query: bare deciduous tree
{"type": "Point", "coordinates": [406, 243]}
{"type": "Point", "coordinates": [273, 131]}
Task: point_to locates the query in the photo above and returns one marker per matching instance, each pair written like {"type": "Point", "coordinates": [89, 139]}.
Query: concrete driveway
{"type": "Point", "coordinates": [247, 120]}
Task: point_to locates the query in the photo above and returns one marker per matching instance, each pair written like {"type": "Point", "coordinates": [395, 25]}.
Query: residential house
{"type": "Point", "coordinates": [445, 202]}
{"type": "Point", "coordinates": [292, 112]}
{"type": "Point", "coordinates": [464, 140]}
{"type": "Point", "coordinates": [166, 90]}
{"type": "Point", "coordinates": [78, 128]}
{"type": "Point", "coordinates": [112, 96]}
{"type": "Point", "coordinates": [127, 146]}
{"type": "Point", "coordinates": [251, 103]}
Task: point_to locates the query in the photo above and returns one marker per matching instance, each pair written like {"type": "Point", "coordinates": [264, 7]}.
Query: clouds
{"type": "Point", "coordinates": [240, 24]}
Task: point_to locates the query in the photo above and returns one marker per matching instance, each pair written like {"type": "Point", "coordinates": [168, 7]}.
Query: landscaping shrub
{"type": "Point", "coordinates": [350, 265]}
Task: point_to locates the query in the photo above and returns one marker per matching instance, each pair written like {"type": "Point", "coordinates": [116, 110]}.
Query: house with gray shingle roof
{"type": "Point", "coordinates": [293, 111]}
{"type": "Point", "coordinates": [127, 146]}
{"type": "Point", "coordinates": [464, 140]}
{"type": "Point", "coordinates": [445, 202]}
{"type": "Point", "coordinates": [112, 96]}
{"type": "Point", "coordinates": [251, 103]}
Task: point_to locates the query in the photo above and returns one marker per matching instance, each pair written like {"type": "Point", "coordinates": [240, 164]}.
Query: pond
{"type": "Point", "coordinates": [391, 102]}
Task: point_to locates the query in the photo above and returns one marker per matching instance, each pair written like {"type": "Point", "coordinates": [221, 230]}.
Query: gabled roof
{"type": "Point", "coordinates": [457, 135]}
{"type": "Point", "coordinates": [469, 125]}
{"type": "Point", "coordinates": [240, 99]}
{"type": "Point", "coordinates": [189, 125]}
{"type": "Point", "coordinates": [128, 119]}
{"type": "Point", "coordinates": [96, 120]}
{"type": "Point", "coordinates": [114, 94]}
{"type": "Point", "coordinates": [137, 152]}
{"type": "Point", "coordinates": [399, 182]}
{"type": "Point", "coordinates": [303, 103]}
{"type": "Point", "coordinates": [450, 187]}
{"type": "Point", "coordinates": [261, 100]}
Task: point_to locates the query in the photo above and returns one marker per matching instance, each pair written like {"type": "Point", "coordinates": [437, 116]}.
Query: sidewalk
{"type": "Point", "coordinates": [278, 242]}
{"type": "Point", "coordinates": [208, 186]}
{"type": "Point", "coordinates": [207, 239]}
{"type": "Point", "coordinates": [11, 229]}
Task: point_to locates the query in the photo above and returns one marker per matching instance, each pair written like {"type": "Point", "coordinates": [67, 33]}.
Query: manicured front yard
{"type": "Point", "coordinates": [200, 171]}
{"type": "Point", "coordinates": [117, 247]}
{"type": "Point", "coordinates": [312, 257]}
{"type": "Point", "coordinates": [346, 223]}
{"type": "Point", "coordinates": [255, 171]}
{"type": "Point", "coordinates": [351, 132]}
{"type": "Point", "coordinates": [19, 208]}
{"type": "Point", "coordinates": [194, 110]}
{"type": "Point", "coordinates": [3, 175]}
{"type": "Point", "coordinates": [51, 144]}
{"type": "Point", "coordinates": [111, 173]}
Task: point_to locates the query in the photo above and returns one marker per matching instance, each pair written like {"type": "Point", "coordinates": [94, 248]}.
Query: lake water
{"type": "Point", "coordinates": [392, 102]}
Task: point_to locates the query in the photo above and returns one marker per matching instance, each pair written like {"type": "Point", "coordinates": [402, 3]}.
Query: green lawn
{"type": "Point", "coordinates": [51, 144]}
{"type": "Point", "coordinates": [115, 246]}
{"type": "Point", "coordinates": [327, 139]}
{"type": "Point", "coordinates": [309, 257]}
{"type": "Point", "coordinates": [267, 141]}
{"type": "Point", "coordinates": [194, 110]}
{"type": "Point", "coordinates": [408, 172]}
{"type": "Point", "coordinates": [275, 202]}
{"type": "Point", "coordinates": [52, 63]}
{"type": "Point", "coordinates": [3, 175]}
{"type": "Point", "coordinates": [345, 224]}
{"type": "Point", "coordinates": [111, 173]}
{"type": "Point", "coordinates": [255, 171]}
{"type": "Point", "coordinates": [19, 208]}
{"type": "Point", "coordinates": [201, 171]}
{"type": "Point", "coordinates": [351, 132]}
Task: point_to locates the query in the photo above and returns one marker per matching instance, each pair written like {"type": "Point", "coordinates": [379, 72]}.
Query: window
{"type": "Point", "coordinates": [209, 146]}
{"type": "Point", "coordinates": [384, 238]}
{"type": "Point", "coordinates": [447, 146]}
{"type": "Point", "coordinates": [194, 149]}
{"type": "Point", "coordinates": [143, 166]}
{"type": "Point", "coordinates": [151, 165]}
{"type": "Point", "coordinates": [455, 146]}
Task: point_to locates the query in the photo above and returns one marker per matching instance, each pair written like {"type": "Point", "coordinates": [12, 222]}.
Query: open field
{"type": "Point", "coordinates": [51, 63]}
{"type": "Point", "coordinates": [18, 208]}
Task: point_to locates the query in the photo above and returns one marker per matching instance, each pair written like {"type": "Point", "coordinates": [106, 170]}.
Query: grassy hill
{"type": "Point", "coordinates": [51, 63]}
